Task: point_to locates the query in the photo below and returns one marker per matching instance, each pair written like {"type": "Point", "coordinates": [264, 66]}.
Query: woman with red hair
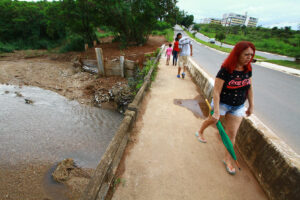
{"type": "Point", "coordinates": [233, 86]}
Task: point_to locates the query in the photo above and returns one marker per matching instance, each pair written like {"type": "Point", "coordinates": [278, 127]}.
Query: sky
{"type": "Point", "coordinates": [270, 13]}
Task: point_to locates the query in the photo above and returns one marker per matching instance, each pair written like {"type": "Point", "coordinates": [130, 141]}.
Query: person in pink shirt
{"type": "Point", "coordinates": [168, 53]}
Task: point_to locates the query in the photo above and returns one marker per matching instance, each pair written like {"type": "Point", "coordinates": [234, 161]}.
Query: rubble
{"type": "Point", "coordinates": [66, 170]}
{"type": "Point", "coordinates": [120, 94]}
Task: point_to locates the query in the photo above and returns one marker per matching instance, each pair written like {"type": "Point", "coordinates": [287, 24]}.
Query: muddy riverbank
{"type": "Point", "coordinates": [47, 114]}
{"type": "Point", "coordinates": [36, 136]}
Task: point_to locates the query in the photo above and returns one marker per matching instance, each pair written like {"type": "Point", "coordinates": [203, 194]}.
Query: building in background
{"type": "Point", "coordinates": [215, 21]}
{"type": "Point", "coordinates": [211, 21]}
{"type": "Point", "coordinates": [251, 21]}
{"type": "Point", "coordinates": [233, 19]}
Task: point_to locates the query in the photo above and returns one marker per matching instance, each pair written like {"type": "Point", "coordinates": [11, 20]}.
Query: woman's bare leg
{"type": "Point", "coordinates": [232, 124]}
{"type": "Point", "coordinates": [209, 121]}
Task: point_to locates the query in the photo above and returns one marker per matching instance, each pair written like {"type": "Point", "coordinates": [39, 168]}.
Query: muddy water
{"type": "Point", "coordinates": [197, 106]}
{"type": "Point", "coordinates": [49, 128]}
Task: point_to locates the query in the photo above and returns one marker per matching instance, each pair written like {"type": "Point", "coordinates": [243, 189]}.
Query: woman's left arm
{"type": "Point", "coordinates": [250, 100]}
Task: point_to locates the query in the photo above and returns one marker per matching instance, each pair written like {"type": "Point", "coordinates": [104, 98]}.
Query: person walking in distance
{"type": "Point", "coordinates": [168, 53]}
{"type": "Point", "coordinates": [233, 86]}
{"type": "Point", "coordinates": [175, 51]}
{"type": "Point", "coordinates": [185, 49]}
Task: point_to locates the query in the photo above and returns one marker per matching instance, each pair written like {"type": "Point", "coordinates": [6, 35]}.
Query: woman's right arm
{"type": "Point", "coordinates": [216, 97]}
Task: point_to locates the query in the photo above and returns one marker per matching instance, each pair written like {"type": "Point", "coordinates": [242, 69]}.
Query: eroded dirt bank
{"type": "Point", "coordinates": [32, 180]}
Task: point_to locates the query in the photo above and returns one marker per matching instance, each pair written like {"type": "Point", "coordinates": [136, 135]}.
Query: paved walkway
{"type": "Point", "coordinates": [166, 160]}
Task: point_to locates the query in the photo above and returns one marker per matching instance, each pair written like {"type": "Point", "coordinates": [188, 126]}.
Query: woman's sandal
{"type": "Point", "coordinates": [200, 140]}
{"type": "Point", "coordinates": [231, 172]}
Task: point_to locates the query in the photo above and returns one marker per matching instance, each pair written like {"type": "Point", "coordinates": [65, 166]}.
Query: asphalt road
{"type": "Point", "coordinates": [269, 56]}
{"type": "Point", "coordinates": [276, 94]}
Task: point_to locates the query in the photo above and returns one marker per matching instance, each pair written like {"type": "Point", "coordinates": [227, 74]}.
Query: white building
{"type": "Point", "coordinates": [233, 19]}
{"type": "Point", "coordinates": [251, 21]}
{"type": "Point", "coordinates": [211, 21]}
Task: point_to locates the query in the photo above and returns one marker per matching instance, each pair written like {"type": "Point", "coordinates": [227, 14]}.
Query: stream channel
{"type": "Point", "coordinates": [44, 132]}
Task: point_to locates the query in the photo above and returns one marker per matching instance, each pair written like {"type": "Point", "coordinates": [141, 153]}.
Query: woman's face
{"type": "Point", "coordinates": [245, 56]}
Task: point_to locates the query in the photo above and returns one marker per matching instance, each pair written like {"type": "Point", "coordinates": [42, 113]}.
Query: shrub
{"type": "Point", "coordinates": [162, 25]}
{"type": "Point", "coordinates": [6, 48]}
{"type": "Point", "coordinates": [74, 43]}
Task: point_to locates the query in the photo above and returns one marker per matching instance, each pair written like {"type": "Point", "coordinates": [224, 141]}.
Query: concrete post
{"type": "Point", "coordinates": [122, 65]}
{"type": "Point", "coordinates": [100, 62]}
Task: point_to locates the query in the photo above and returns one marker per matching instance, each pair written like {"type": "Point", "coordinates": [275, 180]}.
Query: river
{"type": "Point", "coordinates": [40, 128]}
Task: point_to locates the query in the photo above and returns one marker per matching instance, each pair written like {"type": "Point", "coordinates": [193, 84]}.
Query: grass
{"type": "Point", "coordinates": [286, 63]}
{"type": "Point", "coordinates": [103, 35]}
{"type": "Point", "coordinates": [168, 33]}
{"type": "Point", "coordinates": [223, 49]}
{"type": "Point", "coordinates": [135, 83]}
{"type": "Point", "coordinates": [262, 42]}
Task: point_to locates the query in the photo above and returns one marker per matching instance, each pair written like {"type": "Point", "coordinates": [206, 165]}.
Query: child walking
{"type": "Point", "coordinates": [175, 51]}
{"type": "Point", "coordinates": [168, 53]}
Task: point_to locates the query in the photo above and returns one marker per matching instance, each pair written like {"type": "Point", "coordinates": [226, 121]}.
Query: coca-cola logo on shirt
{"type": "Point", "coordinates": [234, 84]}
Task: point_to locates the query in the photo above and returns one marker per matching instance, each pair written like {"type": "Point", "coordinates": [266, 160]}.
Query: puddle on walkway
{"type": "Point", "coordinates": [40, 126]}
{"type": "Point", "coordinates": [197, 106]}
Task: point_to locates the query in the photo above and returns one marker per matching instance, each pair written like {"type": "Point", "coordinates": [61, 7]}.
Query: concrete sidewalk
{"type": "Point", "coordinates": [167, 161]}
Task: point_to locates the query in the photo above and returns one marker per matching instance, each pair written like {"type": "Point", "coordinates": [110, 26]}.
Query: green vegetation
{"type": "Point", "coordinates": [169, 35]}
{"type": "Point", "coordinates": [136, 82]}
{"type": "Point", "coordinates": [220, 36]}
{"type": "Point", "coordinates": [224, 49]}
{"type": "Point", "coordinates": [117, 182]}
{"type": "Point", "coordinates": [29, 25]}
{"type": "Point", "coordinates": [71, 23]}
{"type": "Point", "coordinates": [105, 34]}
{"type": "Point", "coordinates": [165, 29]}
{"type": "Point", "coordinates": [282, 41]}
{"type": "Point", "coordinates": [286, 63]}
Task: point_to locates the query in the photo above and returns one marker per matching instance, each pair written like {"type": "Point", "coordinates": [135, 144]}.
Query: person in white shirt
{"type": "Point", "coordinates": [185, 49]}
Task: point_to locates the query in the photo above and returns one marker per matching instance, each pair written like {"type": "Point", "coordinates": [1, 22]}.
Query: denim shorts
{"type": "Point", "coordinates": [234, 110]}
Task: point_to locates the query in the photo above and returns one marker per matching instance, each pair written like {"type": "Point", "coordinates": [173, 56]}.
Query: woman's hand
{"type": "Point", "coordinates": [249, 111]}
{"type": "Point", "coordinates": [216, 116]}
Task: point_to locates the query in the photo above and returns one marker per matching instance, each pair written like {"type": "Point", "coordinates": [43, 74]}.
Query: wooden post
{"type": "Point", "coordinates": [100, 62]}
{"type": "Point", "coordinates": [86, 46]}
{"type": "Point", "coordinates": [95, 43]}
{"type": "Point", "coordinates": [122, 65]}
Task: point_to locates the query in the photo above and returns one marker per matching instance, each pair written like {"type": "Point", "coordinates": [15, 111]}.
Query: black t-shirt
{"type": "Point", "coordinates": [235, 88]}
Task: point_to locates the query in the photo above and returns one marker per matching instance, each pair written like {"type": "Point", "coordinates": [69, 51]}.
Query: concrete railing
{"type": "Point", "coordinates": [104, 174]}
{"type": "Point", "coordinates": [275, 165]}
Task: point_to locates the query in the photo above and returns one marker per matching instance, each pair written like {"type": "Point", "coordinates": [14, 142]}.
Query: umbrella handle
{"type": "Point", "coordinates": [208, 105]}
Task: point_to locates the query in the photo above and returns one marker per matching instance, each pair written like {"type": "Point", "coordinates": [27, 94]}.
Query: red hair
{"type": "Point", "coordinates": [233, 58]}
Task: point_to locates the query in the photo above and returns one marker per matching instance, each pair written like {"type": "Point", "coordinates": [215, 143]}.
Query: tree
{"type": "Point", "coordinates": [134, 20]}
{"type": "Point", "coordinates": [187, 20]}
{"type": "Point", "coordinates": [244, 29]}
{"type": "Point", "coordinates": [220, 36]}
{"type": "Point", "coordinates": [81, 17]}
{"type": "Point", "coordinates": [235, 29]}
{"type": "Point", "coordinates": [196, 27]}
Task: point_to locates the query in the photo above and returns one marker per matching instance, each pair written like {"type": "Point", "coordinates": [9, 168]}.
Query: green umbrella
{"type": "Point", "coordinates": [227, 142]}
